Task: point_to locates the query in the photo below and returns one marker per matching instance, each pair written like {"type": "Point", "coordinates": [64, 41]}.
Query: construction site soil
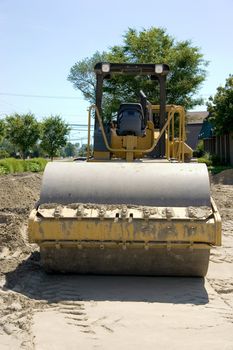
{"type": "Point", "coordinates": [42, 311]}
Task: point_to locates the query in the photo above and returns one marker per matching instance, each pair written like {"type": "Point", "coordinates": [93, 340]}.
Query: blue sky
{"type": "Point", "coordinates": [42, 39]}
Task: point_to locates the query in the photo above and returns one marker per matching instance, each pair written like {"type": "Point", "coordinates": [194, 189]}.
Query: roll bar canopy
{"type": "Point", "coordinates": [105, 70]}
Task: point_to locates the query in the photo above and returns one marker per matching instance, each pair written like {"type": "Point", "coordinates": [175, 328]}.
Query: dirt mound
{"type": "Point", "coordinates": [18, 193]}
{"type": "Point", "coordinates": [225, 177]}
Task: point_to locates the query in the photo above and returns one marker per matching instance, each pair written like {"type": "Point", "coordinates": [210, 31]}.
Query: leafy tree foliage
{"type": "Point", "coordinates": [2, 129]}
{"type": "Point", "coordinates": [22, 131]}
{"type": "Point", "coordinates": [70, 150]}
{"type": "Point", "coordinates": [7, 146]}
{"type": "Point", "coordinates": [37, 151]}
{"type": "Point", "coordinates": [220, 108]}
{"type": "Point", "coordinates": [82, 76]}
{"type": "Point", "coordinates": [154, 45]}
{"type": "Point", "coordinates": [4, 154]}
{"type": "Point", "coordinates": [54, 135]}
{"type": "Point", "coordinates": [83, 150]}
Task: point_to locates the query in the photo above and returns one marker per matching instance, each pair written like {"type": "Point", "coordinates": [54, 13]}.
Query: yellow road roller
{"type": "Point", "coordinates": [137, 205]}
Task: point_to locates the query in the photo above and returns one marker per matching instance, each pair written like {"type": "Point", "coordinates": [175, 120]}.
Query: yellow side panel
{"type": "Point", "coordinates": [59, 229]}
{"type": "Point", "coordinates": [142, 142]}
{"type": "Point", "coordinates": [101, 155]}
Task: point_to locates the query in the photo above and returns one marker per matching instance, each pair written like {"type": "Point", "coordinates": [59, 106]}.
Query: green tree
{"type": "Point", "coordinates": [83, 150]}
{"type": "Point", "coordinates": [4, 154]}
{"type": "Point", "coordinates": [54, 135]}
{"type": "Point", "coordinates": [220, 108]}
{"type": "Point", "coordinates": [37, 151]}
{"type": "Point", "coordinates": [187, 70]}
{"type": "Point", "coordinates": [82, 76]}
{"type": "Point", "coordinates": [70, 150]}
{"type": "Point", "coordinates": [2, 129]}
{"type": "Point", "coordinates": [77, 145]}
{"type": "Point", "coordinates": [7, 146]}
{"type": "Point", "coordinates": [23, 132]}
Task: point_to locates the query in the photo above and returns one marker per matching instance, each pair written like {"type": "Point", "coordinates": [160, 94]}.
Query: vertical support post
{"type": "Point", "coordinates": [98, 103]}
{"type": "Point", "coordinates": [98, 96]}
{"type": "Point", "coordinates": [168, 137]}
{"type": "Point", "coordinates": [182, 115]}
{"type": "Point", "coordinates": [162, 114]}
{"type": "Point", "coordinates": [173, 134]}
{"type": "Point", "coordinates": [89, 133]}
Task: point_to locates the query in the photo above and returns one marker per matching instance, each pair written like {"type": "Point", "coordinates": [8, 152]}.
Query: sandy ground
{"type": "Point", "coordinates": [45, 312]}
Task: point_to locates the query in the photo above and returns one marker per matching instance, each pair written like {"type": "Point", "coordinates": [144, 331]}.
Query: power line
{"type": "Point", "coordinates": [79, 125]}
{"type": "Point", "coordinates": [205, 96]}
{"type": "Point", "coordinates": [42, 96]}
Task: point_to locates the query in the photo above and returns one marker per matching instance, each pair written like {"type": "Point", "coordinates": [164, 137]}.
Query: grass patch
{"type": "Point", "coordinates": [12, 165]}
{"type": "Point", "coordinates": [206, 158]}
{"type": "Point", "coordinates": [218, 168]}
{"type": "Point", "coordinates": [213, 163]}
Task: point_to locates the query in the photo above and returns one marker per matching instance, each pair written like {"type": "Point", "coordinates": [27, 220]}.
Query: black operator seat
{"type": "Point", "coordinates": [130, 120]}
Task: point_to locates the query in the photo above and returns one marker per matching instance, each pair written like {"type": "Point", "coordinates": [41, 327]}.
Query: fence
{"type": "Point", "coordinates": [221, 146]}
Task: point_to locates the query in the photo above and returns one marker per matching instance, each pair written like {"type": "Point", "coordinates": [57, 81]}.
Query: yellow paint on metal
{"type": "Point", "coordinates": [176, 225]}
{"type": "Point", "coordinates": [101, 155]}
{"type": "Point", "coordinates": [110, 226]}
{"type": "Point", "coordinates": [175, 147]}
{"type": "Point", "coordinates": [143, 143]}
{"type": "Point", "coordinates": [218, 224]}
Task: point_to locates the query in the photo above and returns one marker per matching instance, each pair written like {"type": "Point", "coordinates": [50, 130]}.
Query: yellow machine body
{"type": "Point", "coordinates": [147, 226]}
{"type": "Point", "coordinates": [178, 233]}
{"type": "Point", "coordinates": [123, 211]}
{"type": "Point", "coordinates": [132, 147]}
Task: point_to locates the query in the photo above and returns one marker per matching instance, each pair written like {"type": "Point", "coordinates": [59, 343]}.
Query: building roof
{"type": "Point", "coordinates": [207, 130]}
{"type": "Point", "coordinates": [192, 133]}
{"type": "Point", "coordinates": [196, 117]}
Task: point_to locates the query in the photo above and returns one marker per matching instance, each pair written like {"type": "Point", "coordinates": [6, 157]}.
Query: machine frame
{"type": "Point", "coordinates": [122, 212]}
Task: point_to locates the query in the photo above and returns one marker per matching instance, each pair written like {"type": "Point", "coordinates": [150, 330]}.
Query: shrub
{"type": "Point", "coordinates": [35, 164]}
{"type": "Point", "coordinates": [16, 165]}
{"type": "Point", "coordinates": [6, 166]}
{"type": "Point", "coordinates": [216, 160]}
{"type": "Point", "coordinates": [12, 165]}
{"type": "Point", "coordinates": [3, 170]}
{"type": "Point", "coordinates": [4, 154]}
{"type": "Point", "coordinates": [199, 151]}
{"type": "Point", "coordinates": [32, 166]}
{"type": "Point", "coordinates": [41, 161]}
{"type": "Point", "coordinates": [205, 159]}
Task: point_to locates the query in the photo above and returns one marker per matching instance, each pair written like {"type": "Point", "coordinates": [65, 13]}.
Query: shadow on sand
{"type": "Point", "coordinates": [30, 280]}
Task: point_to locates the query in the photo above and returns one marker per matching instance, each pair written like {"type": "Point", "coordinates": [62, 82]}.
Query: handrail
{"type": "Point", "coordinates": [110, 149]}
{"type": "Point", "coordinates": [171, 109]}
{"type": "Point", "coordinates": [170, 132]}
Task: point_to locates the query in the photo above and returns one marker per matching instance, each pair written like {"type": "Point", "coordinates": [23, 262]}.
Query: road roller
{"type": "Point", "coordinates": [138, 204]}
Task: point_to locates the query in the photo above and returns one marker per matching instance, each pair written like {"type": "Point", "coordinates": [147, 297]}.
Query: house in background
{"type": "Point", "coordinates": [198, 128]}
{"type": "Point", "coordinates": [219, 145]}
{"type": "Point", "coordinates": [194, 122]}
